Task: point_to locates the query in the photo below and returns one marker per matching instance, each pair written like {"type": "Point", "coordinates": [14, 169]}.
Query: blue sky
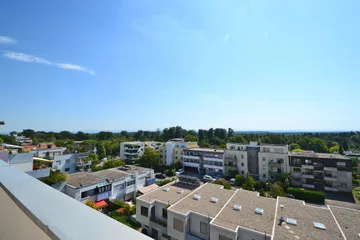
{"type": "Point", "coordinates": [113, 65]}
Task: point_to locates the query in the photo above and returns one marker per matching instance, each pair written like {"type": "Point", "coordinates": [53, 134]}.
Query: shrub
{"type": "Point", "coordinates": [169, 172]}
{"type": "Point", "coordinates": [307, 195]}
{"type": "Point", "coordinates": [239, 180]}
{"type": "Point", "coordinates": [223, 182]}
{"type": "Point", "coordinates": [260, 185]}
{"type": "Point", "coordinates": [164, 182]}
{"type": "Point", "coordinates": [91, 204]}
{"type": "Point", "coordinates": [262, 192]}
{"type": "Point", "coordinates": [54, 177]}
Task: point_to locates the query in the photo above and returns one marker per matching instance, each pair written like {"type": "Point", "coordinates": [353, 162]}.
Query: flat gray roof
{"type": "Point", "coordinates": [111, 174]}
{"type": "Point", "coordinates": [246, 217]}
{"type": "Point", "coordinates": [170, 197]}
{"type": "Point", "coordinates": [130, 169]}
{"type": "Point", "coordinates": [20, 158]}
{"type": "Point", "coordinates": [82, 179]}
{"type": "Point", "coordinates": [318, 155]}
{"type": "Point", "coordinates": [305, 215]}
{"type": "Point", "coordinates": [349, 221]}
{"type": "Point", "coordinates": [204, 206]}
{"type": "Point", "coordinates": [205, 150]}
{"type": "Point", "coordinates": [53, 212]}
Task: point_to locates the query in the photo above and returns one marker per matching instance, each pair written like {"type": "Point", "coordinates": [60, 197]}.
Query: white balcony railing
{"type": "Point", "coordinates": [308, 176]}
{"type": "Point", "coordinates": [328, 178]}
{"type": "Point", "coordinates": [331, 189]}
{"type": "Point", "coordinates": [307, 166]}
{"type": "Point", "coordinates": [308, 185]}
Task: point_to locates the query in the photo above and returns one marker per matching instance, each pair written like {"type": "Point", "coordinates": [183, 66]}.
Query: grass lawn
{"type": "Point", "coordinates": [355, 192]}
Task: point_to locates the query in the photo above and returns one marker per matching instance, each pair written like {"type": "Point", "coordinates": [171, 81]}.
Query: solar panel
{"type": "Point", "coordinates": [319, 225]}
{"type": "Point", "coordinates": [237, 207]}
{"type": "Point", "coordinates": [259, 211]}
{"type": "Point", "coordinates": [291, 221]}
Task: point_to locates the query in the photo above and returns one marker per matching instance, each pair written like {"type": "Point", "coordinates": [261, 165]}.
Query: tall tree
{"type": "Point", "coordinates": [318, 145]}
{"type": "Point", "coordinates": [210, 135]}
{"type": "Point", "coordinates": [230, 132]}
{"type": "Point", "coordinates": [341, 150]}
{"type": "Point", "coordinates": [150, 158]}
{"type": "Point", "coordinates": [249, 183]}
{"type": "Point", "coordinates": [101, 150]}
{"type": "Point", "coordinates": [28, 133]}
{"type": "Point", "coordinates": [345, 145]}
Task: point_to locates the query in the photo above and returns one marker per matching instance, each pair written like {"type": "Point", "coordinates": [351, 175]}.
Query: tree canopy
{"type": "Point", "coordinates": [150, 158]}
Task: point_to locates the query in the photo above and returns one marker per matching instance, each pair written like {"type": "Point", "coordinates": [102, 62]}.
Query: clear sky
{"type": "Point", "coordinates": [131, 64]}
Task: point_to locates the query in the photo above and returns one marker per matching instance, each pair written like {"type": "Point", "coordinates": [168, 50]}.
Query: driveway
{"type": "Point", "coordinates": [341, 199]}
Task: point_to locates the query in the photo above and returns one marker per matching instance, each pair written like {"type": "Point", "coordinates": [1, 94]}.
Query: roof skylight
{"type": "Point", "coordinates": [166, 189]}
{"type": "Point", "coordinates": [319, 225]}
{"type": "Point", "coordinates": [180, 191]}
{"type": "Point", "coordinates": [237, 207]}
{"type": "Point", "coordinates": [197, 197]}
{"type": "Point", "coordinates": [291, 221]}
{"type": "Point", "coordinates": [213, 200]}
{"type": "Point", "coordinates": [259, 211]}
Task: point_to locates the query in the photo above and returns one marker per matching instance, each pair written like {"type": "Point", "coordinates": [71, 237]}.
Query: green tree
{"type": "Point", "coordinates": [262, 192]}
{"type": "Point", "coordinates": [28, 133]}
{"type": "Point", "coordinates": [318, 145]}
{"type": "Point", "coordinates": [239, 180]}
{"type": "Point", "coordinates": [276, 190]}
{"type": "Point", "coordinates": [91, 204]}
{"type": "Point", "coordinates": [101, 150]}
{"type": "Point", "coordinates": [113, 164]}
{"type": "Point", "coordinates": [345, 145]}
{"type": "Point", "coordinates": [54, 177]}
{"type": "Point", "coordinates": [341, 150]}
{"type": "Point", "coordinates": [1, 141]}
{"type": "Point", "coordinates": [150, 158]}
{"type": "Point", "coordinates": [334, 149]}
{"type": "Point", "coordinates": [190, 138]}
{"type": "Point", "coordinates": [249, 183]}
{"type": "Point", "coordinates": [294, 146]}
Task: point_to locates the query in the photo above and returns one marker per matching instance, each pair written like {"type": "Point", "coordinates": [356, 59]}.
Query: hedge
{"type": "Point", "coordinates": [307, 195]}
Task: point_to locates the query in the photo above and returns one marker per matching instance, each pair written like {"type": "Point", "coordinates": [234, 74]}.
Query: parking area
{"type": "Point", "coordinates": [341, 199]}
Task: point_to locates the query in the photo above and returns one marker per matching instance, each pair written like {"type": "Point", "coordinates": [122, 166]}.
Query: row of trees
{"type": "Point", "coordinates": [108, 143]}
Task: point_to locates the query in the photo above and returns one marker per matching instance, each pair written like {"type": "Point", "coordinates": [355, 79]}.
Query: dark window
{"type": "Point", "coordinates": [144, 211]}
{"type": "Point", "coordinates": [164, 213]}
{"type": "Point", "coordinates": [242, 164]}
{"type": "Point", "coordinates": [221, 237]}
{"type": "Point", "coordinates": [67, 169]}
{"type": "Point", "coordinates": [203, 228]}
{"type": "Point", "coordinates": [242, 172]}
{"type": "Point", "coordinates": [264, 175]}
{"type": "Point", "coordinates": [88, 193]}
{"type": "Point", "coordinates": [178, 225]}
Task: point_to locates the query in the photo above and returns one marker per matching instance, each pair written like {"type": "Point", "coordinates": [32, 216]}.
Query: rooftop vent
{"type": "Point", "coordinates": [259, 211]}
{"type": "Point", "coordinates": [237, 207]}
{"type": "Point", "coordinates": [319, 225]}
{"type": "Point", "coordinates": [281, 206]}
{"type": "Point", "coordinates": [197, 197]}
{"type": "Point", "coordinates": [291, 221]}
{"type": "Point", "coordinates": [180, 191]}
{"type": "Point", "coordinates": [213, 200]}
{"type": "Point", "coordinates": [166, 189]}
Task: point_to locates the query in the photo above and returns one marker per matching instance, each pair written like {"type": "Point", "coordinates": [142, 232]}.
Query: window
{"type": "Point", "coordinates": [58, 162]}
{"type": "Point", "coordinates": [242, 172]}
{"type": "Point", "coordinates": [67, 161]}
{"type": "Point", "coordinates": [178, 225]}
{"type": "Point", "coordinates": [341, 164]}
{"type": "Point", "coordinates": [221, 237]}
{"type": "Point", "coordinates": [264, 175]}
{"type": "Point", "coordinates": [67, 169]}
{"type": "Point", "coordinates": [203, 228]}
{"type": "Point", "coordinates": [263, 158]}
{"type": "Point", "coordinates": [296, 161]}
{"type": "Point", "coordinates": [88, 193]}
{"type": "Point", "coordinates": [176, 158]}
{"type": "Point", "coordinates": [242, 156]}
{"type": "Point", "coordinates": [129, 183]}
{"type": "Point", "coordinates": [297, 170]}
{"type": "Point", "coordinates": [164, 213]}
{"type": "Point", "coordinates": [264, 166]}
{"type": "Point", "coordinates": [144, 211]}
{"type": "Point", "coordinates": [242, 164]}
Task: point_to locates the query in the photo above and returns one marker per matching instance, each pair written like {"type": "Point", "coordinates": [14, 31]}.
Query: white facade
{"type": "Point", "coordinates": [211, 159]}
{"type": "Point", "coordinates": [273, 161]}
{"type": "Point", "coordinates": [52, 152]}
{"type": "Point", "coordinates": [136, 149]}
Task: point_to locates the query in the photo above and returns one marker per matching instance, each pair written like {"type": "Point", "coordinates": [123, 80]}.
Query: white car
{"type": "Point", "coordinates": [232, 181]}
{"type": "Point", "coordinates": [207, 178]}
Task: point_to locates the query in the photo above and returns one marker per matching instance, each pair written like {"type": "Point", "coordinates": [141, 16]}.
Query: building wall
{"type": "Point", "coordinates": [344, 178]}
{"type": "Point", "coordinates": [194, 225]}
{"type": "Point", "coordinates": [215, 231]}
{"type": "Point", "coordinates": [245, 233]}
{"type": "Point", "coordinates": [25, 167]}
{"type": "Point", "coordinates": [140, 218]}
{"type": "Point", "coordinates": [241, 161]}
{"type": "Point", "coordinates": [266, 165]}
{"type": "Point", "coordinates": [170, 227]}
{"type": "Point", "coordinates": [65, 163]}
{"type": "Point", "coordinates": [4, 155]}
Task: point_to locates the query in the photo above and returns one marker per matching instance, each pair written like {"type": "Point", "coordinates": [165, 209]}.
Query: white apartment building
{"type": "Point", "coordinates": [171, 151]}
{"type": "Point", "coordinates": [203, 160]}
{"type": "Point", "coordinates": [211, 212]}
{"type": "Point", "coordinates": [121, 183]}
{"type": "Point", "coordinates": [130, 150]}
{"type": "Point", "coordinates": [48, 152]}
{"type": "Point", "coordinates": [263, 162]}
{"type": "Point", "coordinates": [273, 161]}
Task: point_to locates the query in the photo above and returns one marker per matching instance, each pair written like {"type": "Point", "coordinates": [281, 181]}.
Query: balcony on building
{"type": "Point", "coordinates": [330, 187]}
{"type": "Point", "coordinates": [329, 176]}
{"type": "Point", "coordinates": [306, 185]}
{"type": "Point", "coordinates": [307, 166]}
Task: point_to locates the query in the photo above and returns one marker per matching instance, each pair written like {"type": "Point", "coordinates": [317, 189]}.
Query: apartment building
{"type": "Point", "coordinates": [48, 152]}
{"type": "Point", "coordinates": [25, 162]}
{"type": "Point", "coordinates": [171, 151]}
{"type": "Point", "coordinates": [120, 183]}
{"type": "Point", "coordinates": [273, 161]}
{"type": "Point", "coordinates": [203, 160]}
{"type": "Point", "coordinates": [70, 163]}
{"type": "Point", "coordinates": [321, 171]}
{"type": "Point", "coordinates": [211, 212]}
{"type": "Point", "coordinates": [30, 209]}
{"type": "Point", "coordinates": [151, 210]}
{"type": "Point", "coordinates": [263, 162]}
{"type": "Point", "coordinates": [133, 150]}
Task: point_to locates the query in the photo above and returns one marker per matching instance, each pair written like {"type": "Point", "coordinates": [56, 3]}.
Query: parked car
{"type": "Point", "coordinates": [232, 181]}
{"type": "Point", "coordinates": [160, 176]}
{"type": "Point", "coordinates": [289, 196]}
{"type": "Point", "coordinates": [207, 178]}
{"type": "Point", "coordinates": [179, 172]}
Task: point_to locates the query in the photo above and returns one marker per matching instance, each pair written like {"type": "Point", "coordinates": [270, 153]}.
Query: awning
{"type": "Point", "coordinates": [147, 189]}
{"type": "Point", "coordinates": [101, 204]}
